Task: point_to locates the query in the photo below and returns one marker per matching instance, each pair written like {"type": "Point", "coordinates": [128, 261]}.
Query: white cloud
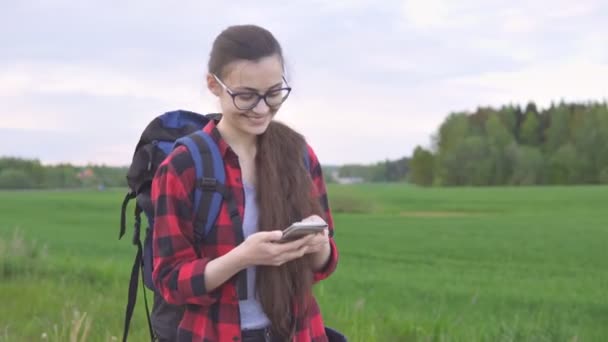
{"type": "Point", "coordinates": [575, 80]}
{"type": "Point", "coordinates": [518, 21]}
{"type": "Point", "coordinates": [363, 126]}
{"type": "Point", "coordinates": [30, 119]}
{"type": "Point", "coordinates": [517, 51]}
{"type": "Point", "coordinates": [495, 16]}
{"type": "Point", "coordinates": [570, 9]}
{"type": "Point", "coordinates": [387, 62]}
{"type": "Point", "coordinates": [426, 13]}
{"type": "Point", "coordinates": [340, 6]}
{"type": "Point", "coordinates": [594, 47]}
{"type": "Point", "coordinates": [63, 78]}
{"type": "Point", "coordinates": [64, 97]}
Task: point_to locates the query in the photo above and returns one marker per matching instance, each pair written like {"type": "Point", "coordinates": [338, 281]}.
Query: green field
{"type": "Point", "coordinates": [456, 264]}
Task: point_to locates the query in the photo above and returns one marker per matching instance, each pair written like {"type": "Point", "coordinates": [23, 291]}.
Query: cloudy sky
{"type": "Point", "coordinates": [372, 79]}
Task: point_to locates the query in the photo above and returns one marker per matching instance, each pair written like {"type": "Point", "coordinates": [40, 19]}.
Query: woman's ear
{"type": "Point", "coordinates": [214, 87]}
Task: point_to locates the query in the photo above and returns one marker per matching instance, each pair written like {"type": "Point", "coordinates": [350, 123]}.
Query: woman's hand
{"type": "Point", "coordinates": [318, 245]}
{"type": "Point", "coordinates": [318, 242]}
{"type": "Point", "coordinates": [262, 248]}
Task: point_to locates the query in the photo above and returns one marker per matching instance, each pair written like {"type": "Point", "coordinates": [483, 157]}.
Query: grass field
{"type": "Point", "coordinates": [458, 264]}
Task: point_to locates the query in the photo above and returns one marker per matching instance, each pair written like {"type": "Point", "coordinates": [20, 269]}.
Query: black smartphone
{"type": "Point", "coordinates": [301, 229]}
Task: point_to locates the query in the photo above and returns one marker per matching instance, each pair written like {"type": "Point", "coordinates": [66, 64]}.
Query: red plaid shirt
{"type": "Point", "coordinates": [179, 272]}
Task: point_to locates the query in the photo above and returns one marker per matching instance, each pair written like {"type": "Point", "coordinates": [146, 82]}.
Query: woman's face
{"type": "Point", "coordinates": [245, 80]}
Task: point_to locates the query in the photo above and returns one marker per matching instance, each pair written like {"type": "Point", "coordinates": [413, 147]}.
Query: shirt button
{"type": "Point", "coordinates": [236, 338]}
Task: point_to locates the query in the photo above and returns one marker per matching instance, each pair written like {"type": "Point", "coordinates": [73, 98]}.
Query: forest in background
{"type": "Point", "coordinates": [18, 173]}
{"type": "Point", "coordinates": [563, 144]}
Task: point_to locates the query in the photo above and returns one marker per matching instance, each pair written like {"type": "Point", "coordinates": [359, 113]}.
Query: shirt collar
{"type": "Point", "coordinates": [211, 129]}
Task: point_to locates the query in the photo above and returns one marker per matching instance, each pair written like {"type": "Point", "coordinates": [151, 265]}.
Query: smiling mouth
{"type": "Point", "coordinates": [255, 117]}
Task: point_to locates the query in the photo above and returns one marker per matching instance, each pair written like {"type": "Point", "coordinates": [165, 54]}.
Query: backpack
{"type": "Point", "coordinates": [159, 138]}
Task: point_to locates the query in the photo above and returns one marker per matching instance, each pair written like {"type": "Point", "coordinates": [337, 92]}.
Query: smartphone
{"type": "Point", "coordinates": [301, 229]}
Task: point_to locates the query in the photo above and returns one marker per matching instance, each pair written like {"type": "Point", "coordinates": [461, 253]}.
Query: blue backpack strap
{"type": "Point", "coordinates": [210, 177]}
{"type": "Point", "coordinates": [211, 180]}
{"type": "Point", "coordinates": [210, 191]}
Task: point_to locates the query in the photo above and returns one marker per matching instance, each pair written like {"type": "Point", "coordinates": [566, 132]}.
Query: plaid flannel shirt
{"type": "Point", "coordinates": [179, 273]}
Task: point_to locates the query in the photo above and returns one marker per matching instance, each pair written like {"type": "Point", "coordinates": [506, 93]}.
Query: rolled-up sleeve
{"type": "Point", "coordinates": [320, 191]}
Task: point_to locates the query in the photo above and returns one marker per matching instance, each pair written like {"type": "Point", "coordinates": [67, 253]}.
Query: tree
{"type": "Point", "coordinates": [558, 133]}
{"type": "Point", "coordinates": [478, 161]}
{"type": "Point", "coordinates": [61, 176]}
{"type": "Point", "coordinates": [468, 163]}
{"type": "Point", "coordinates": [509, 119]}
{"type": "Point", "coordinates": [396, 171]}
{"type": "Point", "coordinates": [422, 167]}
{"type": "Point", "coordinates": [452, 133]}
{"type": "Point", "coordinates": [564, 166]}
{"type": "Point", "coordinates": [15, 179]}
{"type": "Point", "coordinates": [499, 138]}
{"type": "Point", "coordinates": [528, 165]}
{"type": "Point", "coordinates": [590, 144]}
{"type": "Point", "coordinates": [531, 108]}
{"type": "Point", "coordinates": [477, 120]}
{"type": "Point", "coordinates": [32, 169]}
{"type": "Point", "coordinates": [530, 130]}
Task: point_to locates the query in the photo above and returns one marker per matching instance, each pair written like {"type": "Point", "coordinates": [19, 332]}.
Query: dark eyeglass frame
{"type": "Point", "coordinates": [264, 96]}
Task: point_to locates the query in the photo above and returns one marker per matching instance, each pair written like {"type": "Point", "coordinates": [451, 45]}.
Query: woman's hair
{"type": "Point", "coordinates": [248, 42]}
{"type": "Point", "coordinates": [284, 186]}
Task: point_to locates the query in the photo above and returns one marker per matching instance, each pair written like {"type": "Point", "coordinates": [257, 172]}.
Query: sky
{"type": "Point", "coordinates": [79, 80]}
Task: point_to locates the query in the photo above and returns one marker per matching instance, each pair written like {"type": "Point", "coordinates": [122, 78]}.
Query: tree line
{"type": "Point", "coordinates": [18, 173]}
{"type": "Point", "coordinates": [566, 143]}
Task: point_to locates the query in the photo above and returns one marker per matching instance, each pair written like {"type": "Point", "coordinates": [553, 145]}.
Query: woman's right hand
{"type": "Point", "coordinates": [261, 248]}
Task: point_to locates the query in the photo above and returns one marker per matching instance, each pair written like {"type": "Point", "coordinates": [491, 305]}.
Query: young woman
{"type": "Point", "coordinates": [245, 285]}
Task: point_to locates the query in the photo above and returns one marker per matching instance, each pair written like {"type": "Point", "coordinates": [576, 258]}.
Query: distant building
{"type": "Point", "coordinates": [86, 174]}
{"type": "Point", "coordinates": [345, 180]}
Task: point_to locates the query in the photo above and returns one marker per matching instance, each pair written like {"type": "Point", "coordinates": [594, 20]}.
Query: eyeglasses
{"type": "Point", "coordinates": [247, 100]}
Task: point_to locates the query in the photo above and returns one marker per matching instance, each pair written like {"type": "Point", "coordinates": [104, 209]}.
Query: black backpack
{"type": "Point", "coordinates": [158, 139]}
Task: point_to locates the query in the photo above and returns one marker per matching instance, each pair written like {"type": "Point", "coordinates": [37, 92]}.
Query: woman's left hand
{"type": "Point", "coordinates": [319, 242]}
{"type": "Point", "coordinates": [318, 245]}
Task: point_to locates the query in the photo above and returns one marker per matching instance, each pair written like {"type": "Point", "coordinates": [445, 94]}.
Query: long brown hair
{"type": "Point", "coordinates": [284, 185]}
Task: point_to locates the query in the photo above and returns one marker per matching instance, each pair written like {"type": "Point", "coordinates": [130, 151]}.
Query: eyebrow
{"type": "Point", "coordinates": [256, 90]}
